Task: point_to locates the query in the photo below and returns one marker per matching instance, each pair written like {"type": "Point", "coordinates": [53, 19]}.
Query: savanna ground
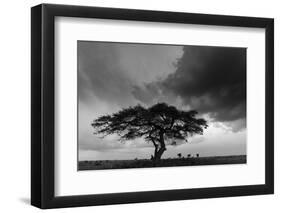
{"type": "Point", "coordinates": [147, 163]}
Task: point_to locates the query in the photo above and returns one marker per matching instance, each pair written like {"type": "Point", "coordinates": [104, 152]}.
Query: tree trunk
{"type": "Point", "coordinates": [157, 155]}
{"type": "Point", "coordinates": [159, 152]}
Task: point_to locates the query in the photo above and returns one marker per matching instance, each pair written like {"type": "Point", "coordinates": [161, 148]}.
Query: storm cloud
{"type": "Point", "coordinates": [109, 71]}
{"type": "Point", "coordinates": [101, 74]}
{"type": "Point", "coordinates": [211, 80]}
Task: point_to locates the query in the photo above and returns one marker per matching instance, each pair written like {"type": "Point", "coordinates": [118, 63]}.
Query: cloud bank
{"type": "Point", "coordinates": [211, 80]}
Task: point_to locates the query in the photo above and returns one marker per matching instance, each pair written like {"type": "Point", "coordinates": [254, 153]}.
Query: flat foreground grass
{"type": "Point", "coordinates": [146, 163]}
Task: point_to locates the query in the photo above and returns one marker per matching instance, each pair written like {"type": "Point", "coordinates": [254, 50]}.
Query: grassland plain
{"type": "Point", "coordinates": [147, 163]}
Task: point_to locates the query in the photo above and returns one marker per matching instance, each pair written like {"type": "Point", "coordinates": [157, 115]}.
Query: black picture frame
{"type": "Point", "coordinates": [43, 105]}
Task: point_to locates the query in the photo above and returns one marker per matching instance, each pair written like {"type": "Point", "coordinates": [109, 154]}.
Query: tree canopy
{"type": "Point", "coordinates": [158, 124]}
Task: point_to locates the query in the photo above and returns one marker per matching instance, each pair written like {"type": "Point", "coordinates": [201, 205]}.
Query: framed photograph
{"type": "Point", "coordinates": [136, 106]}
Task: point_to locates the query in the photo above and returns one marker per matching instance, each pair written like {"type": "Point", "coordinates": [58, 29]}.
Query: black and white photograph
{"type": "Point", "coordinates": [141, 105]}
{"type": "Point", "coordinates": [160, 105]}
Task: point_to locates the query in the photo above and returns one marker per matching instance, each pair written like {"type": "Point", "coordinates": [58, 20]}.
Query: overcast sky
{"type": "Point", "coordinates": [211, 80]}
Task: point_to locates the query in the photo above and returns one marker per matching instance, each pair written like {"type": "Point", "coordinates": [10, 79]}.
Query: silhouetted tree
{"type": "Point", "coordinates": [157, 124]}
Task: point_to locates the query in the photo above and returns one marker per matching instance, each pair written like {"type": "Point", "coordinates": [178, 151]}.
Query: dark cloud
{"type": "Point", "coordinates": [147, 93]}
{"type": "Point", "coordinates": [101, 74]}
{"type": "Point", "coordinates": [109, 71]}
{"type": "Point", "coordinates": [209, 79]}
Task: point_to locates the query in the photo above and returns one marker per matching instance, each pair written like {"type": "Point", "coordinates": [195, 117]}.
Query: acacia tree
{"type": "Point", "coordinates": [159, 124]}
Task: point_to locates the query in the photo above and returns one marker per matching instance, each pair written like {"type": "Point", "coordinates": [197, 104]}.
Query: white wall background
{"type": "Point", "coordinates": [15, 105]}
